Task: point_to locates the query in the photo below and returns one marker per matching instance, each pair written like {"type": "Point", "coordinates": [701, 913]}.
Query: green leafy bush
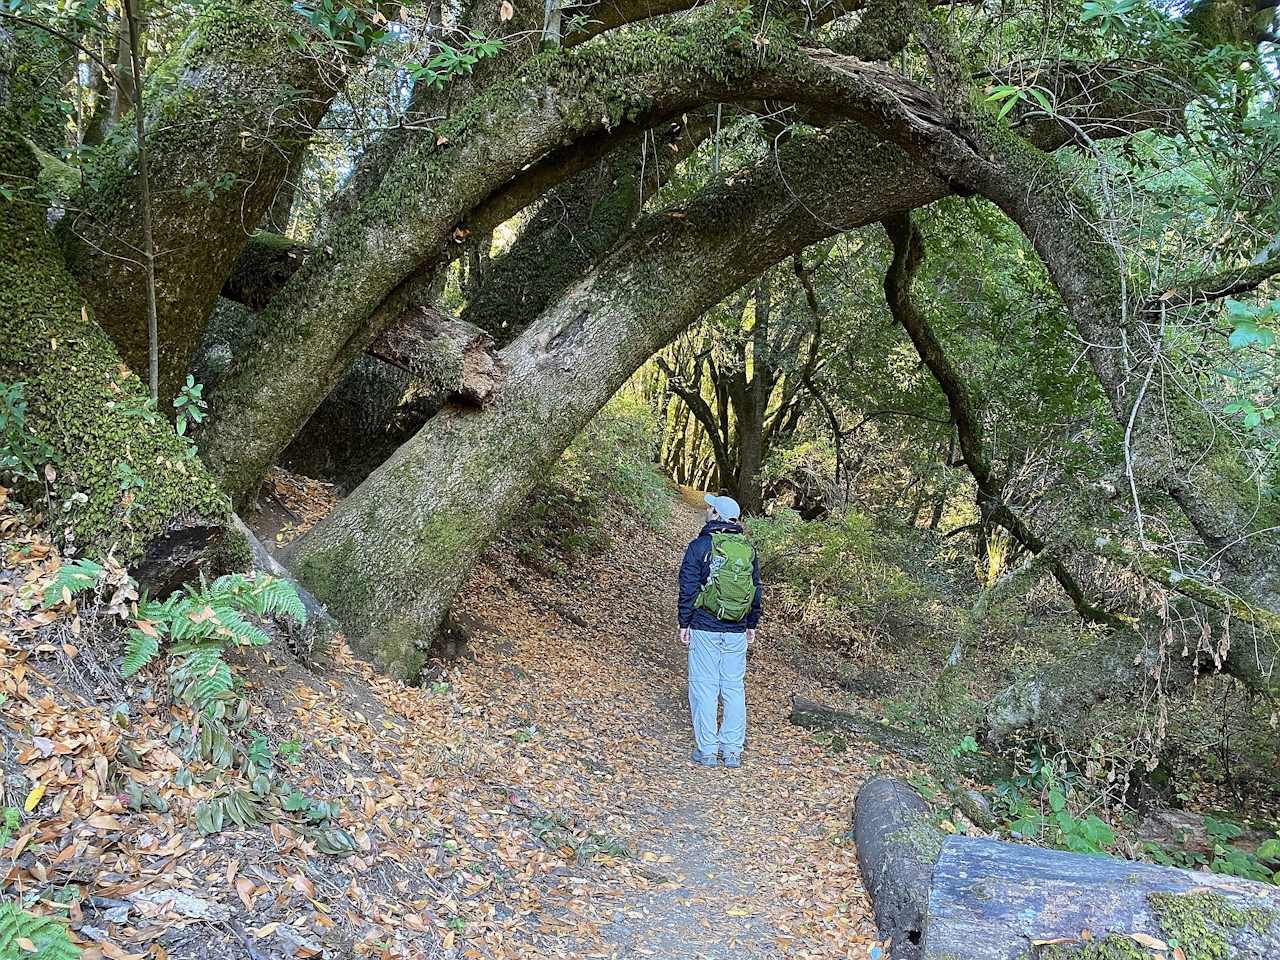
{"type": "Point", "coordinates": [22, 453]}
{"type": "Point", "coordinates": [607, 471]}
{"type": "Point", "coordinates": [834, 572]}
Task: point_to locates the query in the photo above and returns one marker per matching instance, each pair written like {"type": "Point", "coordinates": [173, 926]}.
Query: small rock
{"type": "Point", "coordinates": [94, 933]}
{"type": "Point", "coordinates": [983, 803]}
{"type": "Point", "coordinates": [116, 915]}
{"type": "Point", "coordinates": [784, 762]}
{"type": "Point", "coordinates": [183, 904]}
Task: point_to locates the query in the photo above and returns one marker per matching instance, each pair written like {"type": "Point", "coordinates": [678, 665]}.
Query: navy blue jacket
{"type": "Point", "coordinates": [693, 576]}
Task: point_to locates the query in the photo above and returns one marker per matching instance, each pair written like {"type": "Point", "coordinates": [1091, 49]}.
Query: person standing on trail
{"type": "Point", "coordinates": [719, 608]}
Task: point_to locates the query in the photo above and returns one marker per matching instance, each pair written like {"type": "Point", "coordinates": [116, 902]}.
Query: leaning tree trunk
{"type": "Point", "coordinates": [139, 482]}
{"type": "Point", "coordinates": [389, 559]}
{"type": "Point", "coordinates": [371, 411]}
{"type": "Point", "coordinates": [220, 142]}
{"type": "Point", "coordinates": [1171, 447]}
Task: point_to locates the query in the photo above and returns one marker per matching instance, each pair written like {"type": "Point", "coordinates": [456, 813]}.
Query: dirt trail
{"type": "Point", "coordinates": [757, 858]}
{"type": "Point", "coordinates": [535, 801]}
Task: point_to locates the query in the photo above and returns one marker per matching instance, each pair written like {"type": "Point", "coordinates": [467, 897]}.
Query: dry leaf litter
{"type": "Point", "coordinates": [535, 800]}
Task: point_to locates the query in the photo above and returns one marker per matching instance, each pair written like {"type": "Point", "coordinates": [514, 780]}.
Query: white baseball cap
{"type": "Point", "coordinates": [727, 507]}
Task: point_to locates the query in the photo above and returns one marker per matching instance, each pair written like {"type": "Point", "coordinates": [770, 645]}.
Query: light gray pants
{"type": "Point", "coordinates": [717, 670]}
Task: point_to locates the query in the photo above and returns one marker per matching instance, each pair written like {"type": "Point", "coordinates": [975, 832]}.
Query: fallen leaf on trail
{"type": "Point", "coordinates": [244, 888]}
{"type": "Point", "coordinates": [33, 797]}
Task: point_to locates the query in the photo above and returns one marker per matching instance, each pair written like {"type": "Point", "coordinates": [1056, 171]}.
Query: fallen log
{"type": "Point", "coordinates": [450, 357]}
{"type": "Point", "coordinates": [818, 716]}
{"type": "Point", "coordinates": [981, 767]}
{"type": "Point", "coordinates": [897, 839]}
{"type": "Point", "coordinates": [992, 900]}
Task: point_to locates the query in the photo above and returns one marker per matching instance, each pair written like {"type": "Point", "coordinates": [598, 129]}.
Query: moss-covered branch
{"type": "Point", "coordinates": [1215, 286]}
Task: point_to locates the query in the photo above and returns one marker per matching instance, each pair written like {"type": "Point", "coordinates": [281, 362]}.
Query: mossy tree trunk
{"type": "Point", "coordinates": [389, 559]}
{"type": "Point", "coordinates": [137, 482]}
{"type": "Point", "coordinates": [220, 142]}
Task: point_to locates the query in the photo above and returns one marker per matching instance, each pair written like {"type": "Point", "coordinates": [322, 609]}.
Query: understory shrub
{"type": "Point", "coordinates": [605, 475]}
{"type": "Point", "coordinates": [837, 575]}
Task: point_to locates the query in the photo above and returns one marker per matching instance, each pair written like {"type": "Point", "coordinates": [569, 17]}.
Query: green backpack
{"type": "Point", "coordinates": [731, 588]}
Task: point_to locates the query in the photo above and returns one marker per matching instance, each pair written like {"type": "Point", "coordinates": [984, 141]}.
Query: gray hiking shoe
{"type": "Point", "coordinates": [732, 760]}
{"type": "Point", "coordinates": [703, 759]}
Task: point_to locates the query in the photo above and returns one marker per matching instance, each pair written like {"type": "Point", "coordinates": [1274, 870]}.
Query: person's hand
{"type": "Point", "coordinates": [751, 636]}
{"type": "Point", "coordinates": [686, 634]}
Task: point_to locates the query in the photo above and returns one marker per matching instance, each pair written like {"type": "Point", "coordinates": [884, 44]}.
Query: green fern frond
{"type": "Point", "coordinates": [71, 578]}
{"type": "Point", "coordinates": [233, 628]}
{"type": "Point", "coordinates": [281, 596]}
{"type": "Point", "coordinates": [263, 594]}
{"type": "Point", "coordinates": [216, 682]}
{"type": "Point", "coordinates": [139, 650]}
{"type": "Point", "coordinates": [49, 937]}
{"type": "Point", "coordinates": [204, 667]}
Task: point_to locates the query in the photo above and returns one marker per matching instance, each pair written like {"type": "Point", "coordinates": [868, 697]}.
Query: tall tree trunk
{"type": "Point", "coordinates": [389, 559]}
{"type": "Point", "coordinates": [219, 142]}
{"type": "Point", "coordinates": [752, 406]}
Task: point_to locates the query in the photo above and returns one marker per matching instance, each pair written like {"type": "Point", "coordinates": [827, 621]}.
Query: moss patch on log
{"type": "Point", "coordinates": [1201, 924]}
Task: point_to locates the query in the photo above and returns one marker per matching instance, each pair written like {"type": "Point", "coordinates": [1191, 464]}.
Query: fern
{"type": "Point", "coordinates": [204, 665]}
{"type": "Point", "coordinates": [139, 649]}
{"type": "Point", "coordinates": [72, 578]}
{"type": "Point", "coordinates": [262, 594]}
{"type": "Point", "coordinates": [199, 624]}
{"type": "Point", "coordinates": [47, 936]}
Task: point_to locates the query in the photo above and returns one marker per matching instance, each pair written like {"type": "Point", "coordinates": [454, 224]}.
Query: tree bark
{"type": "Point", "coordinates": [389, 559]}
{"type": "Point", "coordinates": [451, 358]}
{"type": "Point", "coordinates": [991, 900]}
{"type": "Point", "coordinates": [264, 266]}
{"type": "Point", "coordinates": [897, 839]}
{"type": "Point", "coordinates": [219, 145]}
{"type": "Point", "coordinates": [141, 487]}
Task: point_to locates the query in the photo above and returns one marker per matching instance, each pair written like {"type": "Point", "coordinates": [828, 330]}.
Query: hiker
{"type": "Point", "coordinates": [719, 609]}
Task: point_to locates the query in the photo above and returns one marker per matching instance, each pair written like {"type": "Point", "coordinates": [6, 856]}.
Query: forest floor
{"type": "Point", "coordinates": [535, 800]}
